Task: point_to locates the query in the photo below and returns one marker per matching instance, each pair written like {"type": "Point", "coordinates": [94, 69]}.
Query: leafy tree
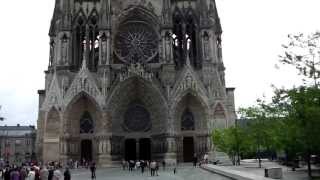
{"type": "Point", "coordinates": [232, 141]}
{"type": "Point", "coordinates": [301, 124]}
{"type": "Point", "coordinates": [303, 52]}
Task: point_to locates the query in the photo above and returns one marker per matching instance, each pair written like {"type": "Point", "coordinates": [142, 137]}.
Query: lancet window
{"type": "Point", "coordinates": [86, 123]}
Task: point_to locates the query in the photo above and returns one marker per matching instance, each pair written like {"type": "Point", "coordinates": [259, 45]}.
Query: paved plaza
{"type": "Point", "coordinates": [183, 173]}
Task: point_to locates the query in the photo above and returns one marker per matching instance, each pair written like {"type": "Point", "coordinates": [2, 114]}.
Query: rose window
{"type": "Point", "coordinates": [136, 42]}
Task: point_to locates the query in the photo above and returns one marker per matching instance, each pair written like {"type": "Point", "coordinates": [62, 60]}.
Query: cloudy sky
{"type": "Point", "coordinates": [253, 33]}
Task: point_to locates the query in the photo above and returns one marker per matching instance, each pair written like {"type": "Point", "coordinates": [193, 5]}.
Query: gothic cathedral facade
{"type": "Point", "coordinates": [133, 79]}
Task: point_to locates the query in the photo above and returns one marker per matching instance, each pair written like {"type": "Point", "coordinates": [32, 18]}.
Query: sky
{"type": "Point", "coordinates": [253, 31]}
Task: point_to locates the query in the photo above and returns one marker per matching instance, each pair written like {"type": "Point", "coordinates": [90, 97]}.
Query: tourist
{"type": "Point", "coordinates": [44, 173]}
{"type": "Point", "coordinates": [15, 175]}
{"type": "Point", "coordinates": [142, 165]}
{"type": "Point", "coordinates": [164, 165]}
{"type": "Point", "coordinates": [7, 174]}
{"type": "Point", "coordinates": [195, 160]}
{"type": "Point", "coordinates": [31, 174]}
{"type": "Point", "coordinates": [157, 168]}
{"type": "Point", "coordinates": [205, 158]}
{"type": "Point", "coordinates": [153, 167]}
{"type": "Point", "coordinates": [57, 175]}
{"type": "Point", "coordinates": [67, 175]}
{"type": "Point", "coordinates": [50, 175]}
{"type": "Point", "coordinates": [93, 170]}
{"type": "Point", "coordinates": [24, 173]}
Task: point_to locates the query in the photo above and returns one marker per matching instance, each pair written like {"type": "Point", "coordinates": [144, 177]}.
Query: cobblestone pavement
{"type": "Point", "coordinates": [183, 173]}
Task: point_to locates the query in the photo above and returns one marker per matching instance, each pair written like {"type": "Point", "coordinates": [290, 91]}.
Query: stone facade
{"type": "Point", "coordinates": [133, 79]}
{"type": "Point", "coordinates": [17, 143]}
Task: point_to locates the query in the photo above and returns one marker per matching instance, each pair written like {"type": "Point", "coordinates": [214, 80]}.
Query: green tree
{"type": "Point", "coordinates": [232, 141]}
{"type": "Point", "coordinates": [303, 52]}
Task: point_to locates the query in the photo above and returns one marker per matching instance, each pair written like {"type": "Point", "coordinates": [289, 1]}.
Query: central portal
{"type": "Point", "coordinates": [86, 150]}
{"type": "Point", "coordinates": [188, 149]}
{"type": "Point", "coordinates": [145, 149]}
{"type": "Point", "coordinates": [130, 149]}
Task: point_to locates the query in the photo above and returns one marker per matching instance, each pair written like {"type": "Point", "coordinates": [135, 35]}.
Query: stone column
{"type": "Point", "coordinates": [137, 149]}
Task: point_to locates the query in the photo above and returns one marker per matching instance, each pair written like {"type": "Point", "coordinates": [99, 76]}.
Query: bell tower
{"type": "Point", "coordinates": [130, 79]}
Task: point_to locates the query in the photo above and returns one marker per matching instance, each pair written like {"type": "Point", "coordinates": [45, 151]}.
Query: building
{"type": "Point", "coordinates": [17, 143]}
{"type": "Point", "coordinates": [133, 79]}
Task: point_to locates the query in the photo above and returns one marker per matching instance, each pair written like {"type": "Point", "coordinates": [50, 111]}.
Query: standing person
{"type": "Point", "coordinates": [164, 165]}
{"type": "Point", "coordinates": [93, 170]}
{"type": "Point", "coordinates": [195, 160]}
{"type": "Point", "coordinates": [23, 173]}
{"type": "Point", "coordinates": [44, 173]}
{"type": "Point", "coordinates": [31, 174]}
{"type": "Point", "coordinates": [50, 175]}
{"type": "Point", "coordinates": [15, 175]}
{"type": "Point", "coordinates": [67, 175]}
{"type": "Point", "coordinates": [142, 165]}
{"type": "Point", "coordinates": [157, 168]}
{"type": "Point", "coordinates": [57, 175]}
{"type": "Point", "coordinates": [152, 167]}
{"type": "Point", "coordinates": [206, 158]}
{"type": "Point", "coordinates": [7, 174]}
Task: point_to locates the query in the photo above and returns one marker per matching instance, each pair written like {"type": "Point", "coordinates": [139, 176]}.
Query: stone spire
{"type": "Point", "coordinates": [105, 14]}
{"type": "Point", "coordinates": [56, 16]}
{"type": "Point", "coordinates": [213, 14]}
{"type": "Point", "coordinates": [66, 15]}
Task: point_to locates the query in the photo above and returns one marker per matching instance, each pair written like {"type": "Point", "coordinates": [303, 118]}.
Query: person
{"type": "Point", "coordinates": [195, 160]}
{"type": "Point", "coordinates": [164, 165]}
{"type": "Point", "coordinates": [142, 165]}
{"type": "Point", "coordinates": [157, 168]}
{"type": "Point", "coordinates": [44, 173]}
{"type": "Point", "coordinates": [50, 175]}
{"type": "Point", "coordinates": [205, 158]}
{"type": "Point", "coordinates": [31, 174]}
{"type": "Point", "coordinates": [57, 175]}
{"type": "Point", "coordinates": [7, 174]}
{"type": "Point", "coordinates": [15, 175]}
{"type": "Point", "coordinates": [93, 170]}
{"type": "Point", "coordinates": [152, 167]}
{"type": "Point", "coordinates": [23, 173]}
{"type": "Point", "coordinates": [67, 175]}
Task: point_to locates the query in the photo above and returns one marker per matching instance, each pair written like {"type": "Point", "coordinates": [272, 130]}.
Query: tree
{"type": "Point", "coordinates": [303, 52]}
{"type": "Point", "coordinates": [302, 120]}
{"type": "Point", "coordinates": [232, 141]}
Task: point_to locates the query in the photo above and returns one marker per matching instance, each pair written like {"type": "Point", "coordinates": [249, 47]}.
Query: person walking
{"type": "Point", "coordinates": [153, 167]}
{"type": "Point", "coordinates": [93, 170]}
{"type": "Point", "coordinates": [66, 174]}
{"type": "Point", "coordinates": [164, 165]}
{"type": "Point", "coordinates": [142, 166]}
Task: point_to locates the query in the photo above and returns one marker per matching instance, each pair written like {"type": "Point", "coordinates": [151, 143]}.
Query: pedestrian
{"type": "Point", "coordinates": [164, 165]}
{"type": "Point", "coordinates": [142, 165]}
{"type": "Point", "coordinates": [44, 173]}
{"type": "Point", "coordinates": [50, 175]}
{"type": "Point", "coordinates": [23, 173]}
{"type": "Point", "coordinates": [31, 174]}
{"type": "Point", "coordinates": [153, 167]}
{"type": "Point", "coordinates": [57, 175]}
{"type": "Point", "coordinates": [195, 160]}
{"type": "Point", "coordinates": [15, 175]}
{"type": "Point", "coordinates": [66, 174]}
{"type": "Point", "coordinates": [93, 170]}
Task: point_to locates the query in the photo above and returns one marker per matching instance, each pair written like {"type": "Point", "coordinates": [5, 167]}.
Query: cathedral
{"type": "Point", "coordinates": [133, 79]}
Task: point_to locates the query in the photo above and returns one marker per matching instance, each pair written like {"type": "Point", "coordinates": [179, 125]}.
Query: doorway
{"type": "Point", "coordinates": [86, 150]}
{"type": "Point", "coordinates": [188, 149]}
{"type": "Point", "coordinates": [130, 149]}
{"type": "Point", "coordinates": [145, 149]}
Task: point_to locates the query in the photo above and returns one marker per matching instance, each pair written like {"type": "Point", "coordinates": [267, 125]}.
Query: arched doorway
{"type": "Point", "coordinates": [188, 149]}
{"type": "Point", "coordinates": [86, 150]}
{"type": "Point", "coordinates": [145, 149]}
{"type": "Point", "coordinates": [130, 149]}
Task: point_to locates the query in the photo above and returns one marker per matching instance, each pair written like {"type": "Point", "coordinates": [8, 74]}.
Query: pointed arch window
{"type": "Point", "coordinates": [86, 123]}
{"type": "Point", "coordinates": [79, 32]}
{"type": "Point", "coordinates": [187, 120]}
{"type": "Point", "coordinates": [93, 43]}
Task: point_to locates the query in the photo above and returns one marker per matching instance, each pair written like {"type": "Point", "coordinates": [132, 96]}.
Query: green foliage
{"type": "Point", "coordinates": [303, 52]}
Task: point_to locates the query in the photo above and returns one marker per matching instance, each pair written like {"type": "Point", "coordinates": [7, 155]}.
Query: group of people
{"type": "Point", "coordinates": [34, 172]}
{"type": "Point", "coordinates": [153, 166]}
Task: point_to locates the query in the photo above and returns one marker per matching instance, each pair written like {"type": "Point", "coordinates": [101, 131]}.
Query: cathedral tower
{"type": "Point", "coordinates": [133, 79]}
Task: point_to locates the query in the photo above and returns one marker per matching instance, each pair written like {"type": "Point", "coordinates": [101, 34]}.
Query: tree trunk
{"type": "Point", "coordinates": [309, 164]}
